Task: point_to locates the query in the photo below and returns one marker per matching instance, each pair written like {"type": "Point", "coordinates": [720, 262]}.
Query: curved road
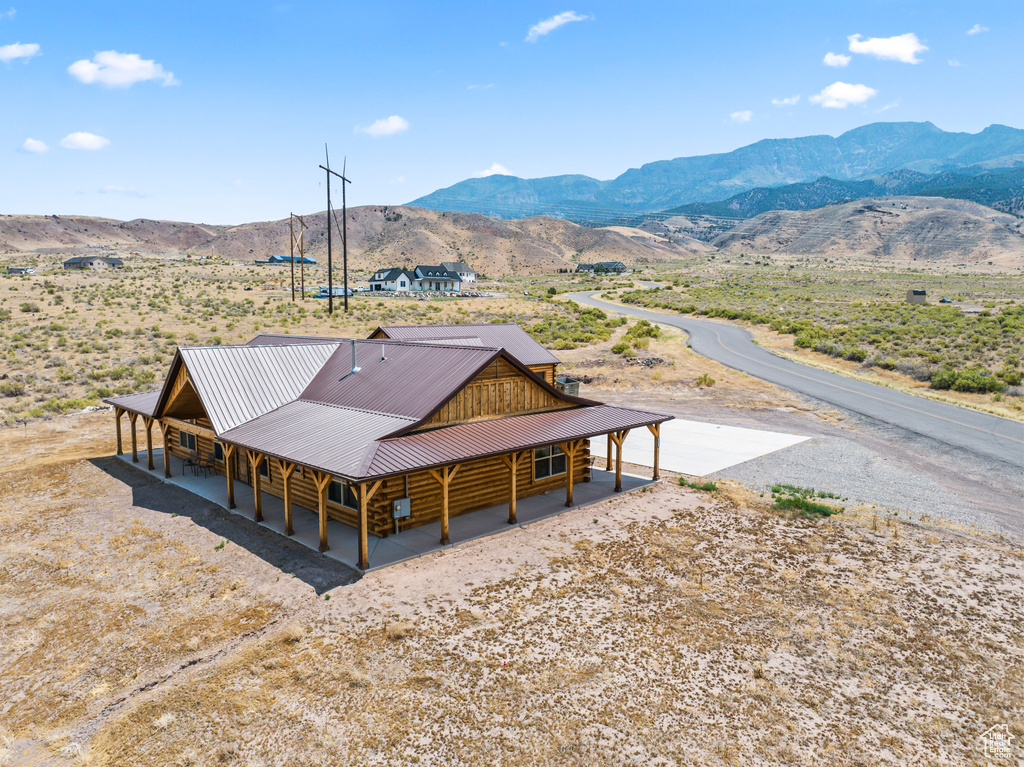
{"type": "Point", "coordinates": [973, 430]}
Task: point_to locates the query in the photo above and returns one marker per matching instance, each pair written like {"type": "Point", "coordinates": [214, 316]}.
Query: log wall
{"type": "Point", "coordinates": [477, 485]}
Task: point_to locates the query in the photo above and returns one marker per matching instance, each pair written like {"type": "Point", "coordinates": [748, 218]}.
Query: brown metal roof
{"type": "Point", "coordinates": [507, 336]}
{"type": "Point", "coordinates": [239, 383]}
{"type": "Point", "coordinates": [480, 439]}
{"type": "Point", "coordinates": [143, 403]}
{"type": "Point", "coordinates": [326, 437]}
{"type": "Point", "coordinates": [404, 379]}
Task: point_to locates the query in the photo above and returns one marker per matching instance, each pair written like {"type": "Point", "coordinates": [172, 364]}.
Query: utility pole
{"type": "Point", "coordinates": [302, 254]}
{"type": "Point", "coordinates": [344, 236]}
{"type": "Point", "coordinates": [291, 250]}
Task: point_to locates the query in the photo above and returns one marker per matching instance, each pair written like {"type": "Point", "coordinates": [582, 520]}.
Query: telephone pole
{"type": "Point", "coordinates": [344, 236]}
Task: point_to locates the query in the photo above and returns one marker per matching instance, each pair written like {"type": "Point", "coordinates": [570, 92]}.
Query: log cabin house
{"type": "Point", "coordinates": [382, 434]}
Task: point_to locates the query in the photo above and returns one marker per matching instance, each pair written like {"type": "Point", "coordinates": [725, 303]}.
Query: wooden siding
{"type": "Point", "coordinates": [478, 485]}
{"type": "Point", "coordinates": [547, 372]}
{"type": "Point", "coordinates": [183, 401]}
{"type": "Point", "coordinates": [498, 390]}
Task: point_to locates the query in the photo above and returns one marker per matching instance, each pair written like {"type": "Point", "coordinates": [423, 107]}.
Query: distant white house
{"type": "Point", "coordinates": [21, 270]}
{"type": "Point", "coordinates": [93, 262]}
{"type": "Point", "coordinates": [432, 278]}
{"type": "Point", "coordinates": [392, 279]}
{"type": "Point", "coordinates": [460, 268]}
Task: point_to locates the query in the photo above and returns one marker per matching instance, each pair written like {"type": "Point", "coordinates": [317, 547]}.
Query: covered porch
{"type": "Point", "coordinates": [381, 552]}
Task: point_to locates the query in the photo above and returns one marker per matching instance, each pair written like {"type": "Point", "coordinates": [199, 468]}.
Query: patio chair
{"type": "Point", "coordinates": [192, 462]}
{"type": "Point", "coordinates": [205, 464]}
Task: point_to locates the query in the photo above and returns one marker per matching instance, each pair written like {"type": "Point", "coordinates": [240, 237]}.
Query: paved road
{"type": "Point", "coordinates": [972, 430]}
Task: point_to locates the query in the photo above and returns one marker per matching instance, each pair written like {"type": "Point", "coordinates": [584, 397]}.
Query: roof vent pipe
{"type": "Point", "coordinates": [355, 367]}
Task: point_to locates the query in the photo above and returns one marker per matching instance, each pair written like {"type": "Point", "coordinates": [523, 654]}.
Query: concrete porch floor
{"type": "Point", "coordinates": [343, 540]}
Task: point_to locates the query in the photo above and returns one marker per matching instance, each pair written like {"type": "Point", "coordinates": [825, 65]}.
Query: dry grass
{"type": "Point", "coordinates": [700, 635]}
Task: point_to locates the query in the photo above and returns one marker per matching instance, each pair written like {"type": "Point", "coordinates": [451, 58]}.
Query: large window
{"type": "Point", "coordinates": [218, 452]}
{"type": "Point", "coordinates": [265, 469]}
{"type": "Point", "coordinates": [548, 462]}
{"type": "Point", "coordinates": [340, 492]}
{"type": "Point", "coordinates": [187, 441]}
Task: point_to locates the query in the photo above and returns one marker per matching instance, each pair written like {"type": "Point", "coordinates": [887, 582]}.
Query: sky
{"type": "Point", "coordinates": [218, 112]}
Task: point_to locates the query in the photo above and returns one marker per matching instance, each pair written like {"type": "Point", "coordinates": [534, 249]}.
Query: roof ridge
{"type": "Point", "coordinates": [325, 342]}
{"type": "Point", "coordinates": [353, 409]}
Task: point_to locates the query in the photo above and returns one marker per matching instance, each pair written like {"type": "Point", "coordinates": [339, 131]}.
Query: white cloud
{"type": "Point", "coordinates": [741, 117]}
{"type": "Point", "coordinates": [387, 126]}
{"type": "Point", "coordinates": [35, 146]}
{"type": "Point", "coordinates": [899, 48]}
{"type": "Point", "coordinates": [18, 51]}
{"type": "Point", "coordinates": [887, 107]}
{"type": "Point", "coordinates": [839, 95]}
{"type": "Point", "coordinates": [121, 191]}
{"type": "Point", "coordinates": [496, 169]}
{"type": "Point", "coordinates": [836, 59]}
{"type": "Point", "coordinates": [119, 70]}
{"type": "Point", "coordinates": [792, 101]}
{"type": "Point", "coordinates": [480, 87]}
{"type": "Point", "coordinates": [8, 14]}
{"type": "Point", "coordinates": [977, 29]}
{"type": "Point", "coordinates": [83, 140]}
{"type": "Point", "coordinates": [398, 180]}
{"type": "Point", "coordinates": [548, 26]}
{"type": "Point", "coordinates": [954, 63]}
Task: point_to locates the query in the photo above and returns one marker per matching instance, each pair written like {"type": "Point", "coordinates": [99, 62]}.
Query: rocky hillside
{"type": "Point", "coordinates": [902, 228]}
{"type": "Point", "coordinates": [857, 155]}
{"type": "Point", "coordinates": [378, 236]}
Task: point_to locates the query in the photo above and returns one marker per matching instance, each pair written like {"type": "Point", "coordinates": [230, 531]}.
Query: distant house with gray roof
{"type": "Point", "coordinates": [93, 262]}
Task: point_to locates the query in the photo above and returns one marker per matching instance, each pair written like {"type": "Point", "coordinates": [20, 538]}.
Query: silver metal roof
{"type": "Point", "coordinates": [239, 383]}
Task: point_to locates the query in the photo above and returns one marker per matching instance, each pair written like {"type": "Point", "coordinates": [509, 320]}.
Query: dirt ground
{"type": "Point", "coordinates": [666, 626]}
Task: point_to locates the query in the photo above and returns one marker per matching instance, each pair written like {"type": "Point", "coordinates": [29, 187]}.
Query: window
{"type": "Point", "coordinates": [218, 452]}
{"type": "Point", "coordinates": [265, 468]}
{"type": "Point", "coordinates": [340, 492]}
{"type": "Point", "coordinates": [548, 462]}
{"type": "Point", "coordinates": [187, 441]}
{"type": "Point", "coordinates": [402, 283]}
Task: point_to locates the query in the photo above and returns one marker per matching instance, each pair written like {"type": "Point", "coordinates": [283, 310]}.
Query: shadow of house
{"type": "Point", "coordinates": [290, 557]}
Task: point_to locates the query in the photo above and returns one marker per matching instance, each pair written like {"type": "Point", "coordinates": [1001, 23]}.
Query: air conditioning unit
{"type": "Point", "coordinates": [400, 509]}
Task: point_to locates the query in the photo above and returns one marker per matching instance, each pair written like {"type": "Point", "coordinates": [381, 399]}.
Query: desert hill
{"type": "Point", "coordinates": [378, 236]}
{"type": "Point", "coordinates": [901, 228]}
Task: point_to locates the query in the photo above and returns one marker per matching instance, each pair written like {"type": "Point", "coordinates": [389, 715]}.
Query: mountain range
{"type": "Point", "coordinates": [866, 154]}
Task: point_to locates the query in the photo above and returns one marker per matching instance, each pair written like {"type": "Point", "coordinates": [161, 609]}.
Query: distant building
{"type": "Point", "coordinates": [437, 278]}
{"type": "Point", "coordinates": [616, 267]}
{"type": "Point", "coordinates": [392, 279]}
{"type": "Point", "coordinates": [93, 262]}
{"type": "Point", "coordinates": [585, 268]}
{"type": "Point", "coordinates": [21, 270]}
{"type": "Point", "coordinates": [291, 259]}
{"type": "Point", "coordinates": [460, 268]}
{"type": "Point", "coordinates": [916, 297]}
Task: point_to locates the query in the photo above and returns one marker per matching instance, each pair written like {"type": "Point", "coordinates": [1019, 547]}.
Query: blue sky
{"type": "Point", "coordinates": [218, 112]}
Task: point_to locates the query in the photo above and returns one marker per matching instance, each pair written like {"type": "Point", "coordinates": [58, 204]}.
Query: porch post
{"type": "Point", "coordinates": [322, 480]}
{"type": "Point", "coordinates": [608, 454]}
{"type": "Point", "coordinates": [446, 475]}
{"type": "Point", "coordinates": [513, 464]}
{"type": "Point", "coordinates": [118, 412]}
{"type": "Point", "coordinates": [287, 469]}
{"type": "Point", "coordinates": [149, 441]}
{"type": "Point", "coordinates": [366, 492]}
{"type": "Point", "coordinates": [618, 438]}
{"type": "Point", "coordinates": [165, 428]}
{"type": "Point", "coordinates": [655, 429]}
{"type": "Point", "coordinates": [569, 448]}
{"type": "Point", "coordinates": [132, 418]}
{"type": "Point", "coordinates": [255, 459]}
{"type": "Point", "coordinates": [229, 469]}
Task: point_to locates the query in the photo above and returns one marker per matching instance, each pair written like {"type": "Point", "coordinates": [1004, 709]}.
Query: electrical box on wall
{"type": "Point", "coordinates": [400, 509]}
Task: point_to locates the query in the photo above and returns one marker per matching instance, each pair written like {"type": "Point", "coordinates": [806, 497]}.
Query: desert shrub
{"type": "Point", "coordinates": [707, 487]}
{"type": "Point", "coordinates": [29, 306]}
{"type": "Point", "coordinates": [12, 389]}
{"type": "Point", "coordinates": [801, 500]}
{"type": "Point", "coordinates": [621, 348]}
{"type": "Point", "coordinates": [855, 355]}
{"type": "Point", "coordinates": [972, 379]}
{"type": "Point", "coordinates": [705, 380]}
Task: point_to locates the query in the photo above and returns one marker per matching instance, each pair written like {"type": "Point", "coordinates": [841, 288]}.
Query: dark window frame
{"type": "Point", "coordinates": [549, 461]}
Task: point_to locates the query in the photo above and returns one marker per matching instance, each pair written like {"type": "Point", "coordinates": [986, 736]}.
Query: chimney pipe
{"type": "Point", "coordinates": [355, 368]}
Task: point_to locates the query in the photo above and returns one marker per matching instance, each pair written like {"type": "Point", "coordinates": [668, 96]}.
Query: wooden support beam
{"type": "Point", "coordinates": [322, 480]}
{"type": "Point", "coordinates": [570, 449]}
{"type": "Point", "coordinates": [255, 459]}
{"type": "Point", "coordinates": [118, 412]}
{"type": "Point", "coordinates": [608, 454]}
{"type": "Point", "coordinates": [618, 438]}
{"type": "Point", "coordinates": [444, 477]}
{"type": "Point", "coordinates": [229, 469]}
{"type": "Point", "coordinates": [132, 418]}
{"type": "Point", "coordinates": [655, 429]}
{"type": "Point", "coordinates": [165, 429]}
{"type": "Point", "coordinates": [366, 492]}
{"type": "Point", "coordinates": [287, 469]}
{"type": "Point", "coordinates": [148, 441]}
{"type": "Point", "coordinates": [512, 461]}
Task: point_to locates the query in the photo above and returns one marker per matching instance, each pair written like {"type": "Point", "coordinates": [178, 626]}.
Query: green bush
{"type": "Point", "coordinates": [29, 306]}
{"type": "Point", "coordinates": [708, 487]}
{"type": "Point", "coordinates": [621, 348]}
